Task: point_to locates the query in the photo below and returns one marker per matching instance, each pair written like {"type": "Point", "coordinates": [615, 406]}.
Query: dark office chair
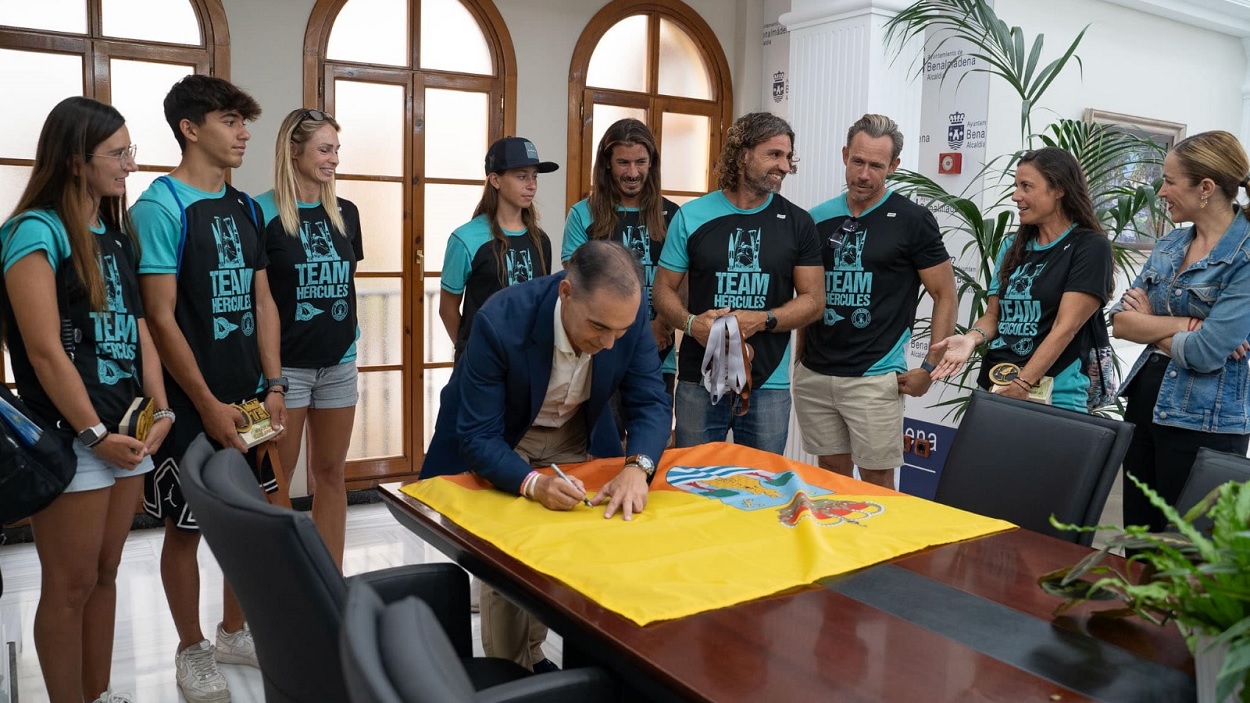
{"type": "Point", "coordinates": [292, 592]}
{"type": "Point", "coordinates": [1211, 469]}
{"type": "Point", "coordinates": [384, 661]}
{"type": "Point", "coordinates": [1023, 461]}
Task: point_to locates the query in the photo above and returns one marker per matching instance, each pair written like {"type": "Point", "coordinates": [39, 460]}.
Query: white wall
{"type": "Point", "coordinates": [1134, 63]}
{"type": "Point", "coordinates": [267, 40]}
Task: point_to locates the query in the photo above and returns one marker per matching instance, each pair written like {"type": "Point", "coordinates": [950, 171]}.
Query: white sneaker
{"type": "Point", "coordinates": [110, 697]}
{"type": "Point", "coordinates": [236, 647]}
{"type": "Point", "coordinates": [198, 676]}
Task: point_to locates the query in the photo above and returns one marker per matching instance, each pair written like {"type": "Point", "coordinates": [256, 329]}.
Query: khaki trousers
{"type": "Point", "coordinates": [508, 632]}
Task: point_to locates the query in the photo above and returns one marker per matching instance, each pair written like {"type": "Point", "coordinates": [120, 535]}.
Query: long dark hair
{"type": "Point", "coordinates": [1062, 172]}
{"type": "Point", "coordinates": [626, 132]}
{"type": "Point", "coordinates": [489, 206]}
{"type": "Point", "coordinates": [73, 130]}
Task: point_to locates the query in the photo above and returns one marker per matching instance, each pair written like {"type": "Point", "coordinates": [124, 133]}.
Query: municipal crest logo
{"type": "Point", "coordinates": [744, 250]}
{"type": "Point", "coordinates": [1023, 346]}
{"type": "Point", "coordinates": [790, 496]}
{"type": "Point", "coordinates": [779, 86]}
{"type": "Point", "coordinates": [248, 323]}
{"type": "Point", "coordinates": [861, 318]}
{"type": "Point", "coordinates": [339, 310]}
{"type": "Point", "coordinates": [955, 131]}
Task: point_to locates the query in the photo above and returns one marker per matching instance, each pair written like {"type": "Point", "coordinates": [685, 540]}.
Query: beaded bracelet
{"type": "Point", "coordinates": [164, 413]}
{"type": "Point", "coordinates": [985, 338]}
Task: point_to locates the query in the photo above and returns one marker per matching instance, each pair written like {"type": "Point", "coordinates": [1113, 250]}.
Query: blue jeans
{"type": "Point", "coordinates": [764, 427]}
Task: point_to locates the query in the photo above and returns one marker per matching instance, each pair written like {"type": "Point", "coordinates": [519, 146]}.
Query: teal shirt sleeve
{"type": "Point", "coordinates": [268, 207]}
{"type": "Point", "coordinates": [675, 257]}
{"type": "Point", "coordinates": [998, 266]}
{"type": "Point", "coordinates": [575, 228]}
{"type": "Point", "coordinates": [159, 231]}
{"type": "Point", "coordinates": [29, 233]}
{"type": "Point", "coordinates": [457, 265]}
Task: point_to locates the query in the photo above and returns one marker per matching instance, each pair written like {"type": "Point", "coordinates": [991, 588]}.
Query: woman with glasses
{"type": "Point", "coordinates": [1190, 305]}
{"type": "Point", "coordinates": [1045, 300]}
{"type": "Point", "coordinates": [81, 354]}
{"type": "Point", "coordinates": [502, 244]}
{"type": "Point", "coordinates": [313, 241]}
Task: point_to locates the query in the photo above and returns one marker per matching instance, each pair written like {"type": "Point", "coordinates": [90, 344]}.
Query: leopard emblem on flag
{"type": "Point", "coordinates": [793, 498]}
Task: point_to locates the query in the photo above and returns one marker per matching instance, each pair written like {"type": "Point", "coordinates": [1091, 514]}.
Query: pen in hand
{"type": "Point", "coordinates": [564, 476]}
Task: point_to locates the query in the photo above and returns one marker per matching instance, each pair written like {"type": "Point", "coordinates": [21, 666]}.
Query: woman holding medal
{"type": "Point", "coordinates": [81, 362]}
{"type": "Point", "coordinates": [1190, 305]}
{"type": "Point", "coordinates": [1052, 279]}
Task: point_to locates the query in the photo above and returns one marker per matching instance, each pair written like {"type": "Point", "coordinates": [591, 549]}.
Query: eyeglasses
{"type": "Point", "coordinates": [123, 156]}
{"type": "Point", "coordinates": [316, 115]}
{"type": "Point", "coordinates": [851, 226]}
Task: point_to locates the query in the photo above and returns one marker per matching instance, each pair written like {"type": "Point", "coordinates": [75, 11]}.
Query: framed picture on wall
{"type": "Point", "coordinates": [1142, 167]}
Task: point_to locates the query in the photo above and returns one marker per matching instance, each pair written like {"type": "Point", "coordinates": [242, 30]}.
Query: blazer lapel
{"type": "Point", "coordinates": [542, 344]}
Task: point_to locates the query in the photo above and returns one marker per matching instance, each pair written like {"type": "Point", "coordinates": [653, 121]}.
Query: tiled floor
{"type": "Point", "coordinates": [145, 640]}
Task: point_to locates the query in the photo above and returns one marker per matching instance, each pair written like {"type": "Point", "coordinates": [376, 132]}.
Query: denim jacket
{"type": "Point", "coordinates": [1202, 388]}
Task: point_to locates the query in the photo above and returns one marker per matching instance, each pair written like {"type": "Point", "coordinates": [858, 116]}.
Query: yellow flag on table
{"type": "Point", "coordinates": [723, 524]}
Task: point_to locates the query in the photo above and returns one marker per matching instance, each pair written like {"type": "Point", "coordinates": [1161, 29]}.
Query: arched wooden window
{"type": "Point", "coordinates": [658, 62]}
{"type": "Point", "coordinates": [421, 88]}
{"type": "Point", "coordinates": [125, 53]}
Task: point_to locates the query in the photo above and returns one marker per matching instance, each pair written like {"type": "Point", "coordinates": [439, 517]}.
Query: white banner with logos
{"type": "Point", "coordinates": [776, 59]}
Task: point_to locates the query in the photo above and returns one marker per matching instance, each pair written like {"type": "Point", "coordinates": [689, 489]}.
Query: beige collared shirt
{"type": "Point", "coordinates": [569, 386]}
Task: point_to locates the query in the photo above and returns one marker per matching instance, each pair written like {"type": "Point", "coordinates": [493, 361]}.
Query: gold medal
{"type": "Point", "coordinates": [1004, 373]}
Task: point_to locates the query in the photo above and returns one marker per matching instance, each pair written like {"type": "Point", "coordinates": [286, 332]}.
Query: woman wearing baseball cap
{"type": "Point", "coordinates": [502, 244]}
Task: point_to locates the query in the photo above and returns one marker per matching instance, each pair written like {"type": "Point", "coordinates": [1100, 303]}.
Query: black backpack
{"type": "Point", "coordinates": [32, 475]}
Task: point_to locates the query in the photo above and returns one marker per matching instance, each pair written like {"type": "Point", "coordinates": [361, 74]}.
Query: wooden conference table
{"type": "Point", "coordinates": [960, 622]}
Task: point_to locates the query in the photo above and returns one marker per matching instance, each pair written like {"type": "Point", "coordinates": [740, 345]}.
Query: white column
{"type": "Point", "coordinates": [841, 68]}
{"type": "Point", "coordinates": [1244, 134]}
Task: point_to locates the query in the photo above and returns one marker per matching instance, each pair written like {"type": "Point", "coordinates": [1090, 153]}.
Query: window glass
{"type": "Point", "coordinates": [451, 39]}
{"type": "Point", "coordinates": [170, 21]}
{"type": "Point", "coordinates": [13, 181]}
{"type": "Point", "coordinates": [438, 346]}
{"type": "Point", "coordinates": [379, 428]}
{"type": "Point", "coordinates": [455, 133]}
{"type": "Point", "coordinates": [139, 89]}
{"type": "Point", "coordinates": [52, 15]}
{"type": "Point", "coordinates": [681, 65]}
{"type": "Point", "coordinates": [620, 58]}
{"type": "Point", "coordinates": [33, 83]}
{"type": "Point", "coordinates": [371, 31]}
{"type": "Point", "coordinates": [446, 208]}
{"type": "Point", "coordinates": [381, 220]}
{"type": "Point", "coordinates": [372, 117]}
{"type": "Point", "coordinates": [435, 380]}
{"type": "Point", "coordinates": [684, 151]}
{"type": "Point", "coordinates": [379, 306]}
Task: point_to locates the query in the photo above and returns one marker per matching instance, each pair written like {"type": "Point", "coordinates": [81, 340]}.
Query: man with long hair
{"type": "Point", "coordinates": [214, 322]}
{"type": "Point", "coordinates": [879, 248]}
{"type": "Point", "coordinates": [750, 253]}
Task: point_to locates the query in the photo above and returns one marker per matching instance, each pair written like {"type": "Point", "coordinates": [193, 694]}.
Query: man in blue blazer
{"type": "Point", "coordinates": [542, 359]}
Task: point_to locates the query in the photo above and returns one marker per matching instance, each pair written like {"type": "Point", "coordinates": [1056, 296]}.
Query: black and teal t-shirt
{"type": "Point", "coordinates": [103, 345]}
{"type": "Point", "coordinates": [215, 264]}
{"type": "Point", "coordinates": [632, 233]}
{"type": "Point", "coordinates": [1077, 261]}
{"type": "Point", "coordinates": [312, 277]}
{"type": "Point", "coordinates": [872, 280]}
{"type": "Point", "coordinates": [471, 267]}
{"type": "Point", "coordinates": [745, 260]}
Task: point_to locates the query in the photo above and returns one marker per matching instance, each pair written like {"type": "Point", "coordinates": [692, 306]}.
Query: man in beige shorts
{"type": "Point", "coordinates": [879, 248]}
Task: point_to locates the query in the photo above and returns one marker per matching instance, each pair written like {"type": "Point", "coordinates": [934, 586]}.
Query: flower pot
{"type": "Point", "coordinates": [1207, 663]}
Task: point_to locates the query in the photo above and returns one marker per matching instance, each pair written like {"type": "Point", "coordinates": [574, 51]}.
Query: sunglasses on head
{"type": "Point", "coordinates": [316, 115]}
{"type": "Point", "coordinates": [849, 227]}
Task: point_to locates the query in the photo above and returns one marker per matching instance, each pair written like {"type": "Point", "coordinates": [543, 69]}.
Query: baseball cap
{"type": "Point", "coordinates": [515, 152]}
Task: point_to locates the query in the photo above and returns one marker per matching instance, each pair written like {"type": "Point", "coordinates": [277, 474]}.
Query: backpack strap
{"type": "Point", "coordinates": [182, 212]}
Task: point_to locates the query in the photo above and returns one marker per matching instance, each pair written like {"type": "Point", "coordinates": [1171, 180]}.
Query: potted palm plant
{"type": "Point", "coordinates": [1201, 581]}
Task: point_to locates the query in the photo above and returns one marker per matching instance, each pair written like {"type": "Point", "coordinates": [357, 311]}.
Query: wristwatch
{"type": "Point", "coordinates": [643, 462]}
{"type": "Point", "coordinates": [926, 366]}
{"type": "Point", "coordinates": [771, 323]}
{"type": "Point", "coordinates": [93, 435]}
{"type": "Point", "coordinates": [280, 381]}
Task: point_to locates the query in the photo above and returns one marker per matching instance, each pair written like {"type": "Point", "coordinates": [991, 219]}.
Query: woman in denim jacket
{"type": "Point", "coordinates": [1191, 306]}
